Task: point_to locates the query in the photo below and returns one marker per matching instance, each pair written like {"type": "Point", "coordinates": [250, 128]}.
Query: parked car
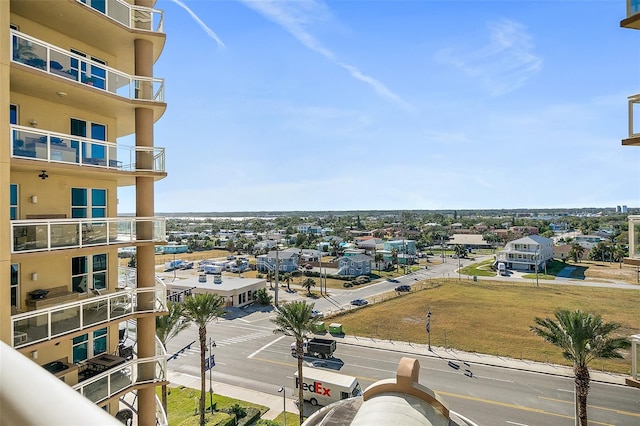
{"type": "Point", "coordinates": [359, 302]}
{"type": "Point", "coordinates": [316, 314]}
{"type": "Point", "coordinates": [393, 280]}
{"type": "Point", "coordinates": [308, 266]}
{"type": "Point", "coordinates": [403, 288]}
{"type": "Point", "coordinates": [231, 257]}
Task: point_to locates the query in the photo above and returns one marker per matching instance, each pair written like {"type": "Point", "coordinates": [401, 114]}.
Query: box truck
{"type": "Point", "coordinates": [322, 387]}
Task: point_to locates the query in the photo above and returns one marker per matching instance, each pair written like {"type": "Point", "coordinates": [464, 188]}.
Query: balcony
{"type": "Point", "coordinates": [634, 241]}
{"type": "Point", "coordinates": [50, 147]}
{"type": "Point", "coordinates": [131, 16]}
{"type": "Point", "coordinates": [37, 54]}
{"type": "Point", "coordinates": [632, 20]}
{"type": "Point", "coordinates": [109, 25]}
{"type": "Point", "coordinates": [48, 323]}
{"type": "Point", "coordinates": [633, 103]}
{"type": "Point", "coordinates": [39, 235]}
{"type": "Point", "coordinates": [117, 380]}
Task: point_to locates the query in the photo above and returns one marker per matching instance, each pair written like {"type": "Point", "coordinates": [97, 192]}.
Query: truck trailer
{"type": "Point", "coordinates": [322, 387]}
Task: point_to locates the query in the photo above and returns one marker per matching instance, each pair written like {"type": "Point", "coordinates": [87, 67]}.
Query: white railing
{"type": "Point", "coordinates": [131, 16]}
{"type": "Point", "coordinates": [105, 385]}
{"type": "Point", "coordinates": [32, 235]}
{"type": "Point", "coordinates": [127, 278]}
{"type": "Point", "coordinates": [53, 147]}
{"type": "Point", "coordinates": [38, 54]}
{"type": "Point", "coordinates": [634, 237]}
{"type": "Point", "coordinates": [47, 323]}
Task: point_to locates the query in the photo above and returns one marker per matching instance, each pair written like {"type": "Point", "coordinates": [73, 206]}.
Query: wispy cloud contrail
{"type": "Point", "coordinates": [295, 16]}
{"type": "Point", "coordinates": [204, 26]}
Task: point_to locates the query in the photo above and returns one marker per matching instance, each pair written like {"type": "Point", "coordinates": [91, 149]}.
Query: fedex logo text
{"type": "Point", "coordinates": [315, 387]}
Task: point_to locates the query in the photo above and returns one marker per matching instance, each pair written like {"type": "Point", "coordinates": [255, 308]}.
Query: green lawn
{"type": "Point", "coordinates": [182, 403]}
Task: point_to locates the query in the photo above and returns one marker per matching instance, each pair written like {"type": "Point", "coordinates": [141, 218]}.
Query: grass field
{"type": "Point", "coordinates": [492, 317]}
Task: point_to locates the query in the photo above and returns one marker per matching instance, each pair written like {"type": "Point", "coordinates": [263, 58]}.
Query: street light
{"type": "Point", "coordinates": [284, 405]}
{"type": "Point", "coordinates": [212, 345]}
{"type": "Point", "coordinates": [429, 329]}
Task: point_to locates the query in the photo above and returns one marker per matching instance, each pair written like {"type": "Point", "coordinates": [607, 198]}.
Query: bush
{"type": "Point", "coordinates": [347, 285]}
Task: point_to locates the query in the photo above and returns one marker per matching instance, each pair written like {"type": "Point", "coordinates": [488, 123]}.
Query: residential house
{"type": "Point", "coordinates": [359, 264]}
{"type": "Point", "coordinates": [287, 261]}
{"type": "Point", "coordinates": [527, 252]}
{"type": "Point", "coordinates": [402, 246]}
{"type": "Point", "coordinates": [469, 241]}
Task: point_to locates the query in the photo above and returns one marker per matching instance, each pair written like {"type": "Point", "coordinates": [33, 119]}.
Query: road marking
{"type": "Point", "coordinates": [565, 390]}
{"type": "Point", "coordinates": [514, 423]}
{"type": "Point", "coordinates": [626, 413]}
{"type": "Point", "coordinates": [266, 346]}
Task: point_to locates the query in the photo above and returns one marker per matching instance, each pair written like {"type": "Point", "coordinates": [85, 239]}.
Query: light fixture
{"type": "Point", "coordinates": [43, 175]}
{"type": "Point", "coordinates": [34, 276]}
{"type": "Point", "coordinates": [61, 94]}
{"type": "Point", "coordinates": [34, 354]}
{"type": "Point", "coordinates": [34, 199]}
{"type": "Point", "coordinates": [33, 122]}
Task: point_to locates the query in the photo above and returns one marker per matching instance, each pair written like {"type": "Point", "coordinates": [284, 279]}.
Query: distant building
{"type": "Point", "coordinates": [356, 265]}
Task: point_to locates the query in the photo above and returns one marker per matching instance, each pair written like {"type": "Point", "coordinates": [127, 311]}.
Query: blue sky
{"type": "Point", "coordinates": [357, 105]}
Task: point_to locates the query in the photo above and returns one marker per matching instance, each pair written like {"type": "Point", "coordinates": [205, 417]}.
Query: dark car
{"type": "Point", "coordinates": [393, 280]}
{"type": "Point", "coordinates": [359, 302]}
{"type": "Point", "coordinates": [403, 288]}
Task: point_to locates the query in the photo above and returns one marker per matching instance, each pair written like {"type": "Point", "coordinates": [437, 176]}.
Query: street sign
{"type": "Point", "coordinates": [209, 362]}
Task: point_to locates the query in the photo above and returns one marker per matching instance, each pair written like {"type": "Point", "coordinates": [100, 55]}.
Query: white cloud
{"type": "Point", "coordinates": [204, 26]}
{"type": "Point", "coordinates": [296, 16]}
{"type": "Point", "coordinates": [502, 65]}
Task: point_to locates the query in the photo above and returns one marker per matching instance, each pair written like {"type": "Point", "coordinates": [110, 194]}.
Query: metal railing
{"type": "Point", "coordinates": [33, 235]}
{"type": "Point", "coordinates": [127, 278]}
{"type": "Point", "coordinates": [131, 16]}
{"type": "Point", "coordinates": [135, 372]}
{"type": "Point", "coordinates": [52, 147]}
{"type": "Point", "coordinates": [634, 236]}
{"type": "Point", "coordinates": [38, 54]}
{"type": "Point", "coordinates": [47, 323]}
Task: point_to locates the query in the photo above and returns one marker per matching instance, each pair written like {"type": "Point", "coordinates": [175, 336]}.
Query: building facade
{"type": "Point", "coordinates": [527, 253]}
{"type": "Point", "coordinates": [76, 82]}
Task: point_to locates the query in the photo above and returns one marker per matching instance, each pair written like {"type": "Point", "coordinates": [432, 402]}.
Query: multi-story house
{"type": "Point", "coordinates": [527, 252]}
{"type": "Point", "coordinates": [632, 21]}
{"type": "Point", "coordinates": [76, 77]}
{"type": "Point", "coordinates": [355, 265]}
{"type": "Point", "coordinates": [287, 261]}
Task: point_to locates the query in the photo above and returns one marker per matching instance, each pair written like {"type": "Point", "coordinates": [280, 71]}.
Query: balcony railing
{"type": "Point", "coordinates": [52, 147]}
{"type": "Point", "coordinates": [633, 7]}
{"type": "Point", "coordinates": [37, 54]}
{"type": "Point", "coordinates": [131, 16]}
{"type": "Point", "coordinates": [57, 234]}
{"type": "Point", "coordinates": [634, 237]}
{"type": "Point", "coordinates": [105, 385]}
{"type": "Point", "coordinates": [127, 278]}
{"type": "Point", "coordinates": [45, 324]}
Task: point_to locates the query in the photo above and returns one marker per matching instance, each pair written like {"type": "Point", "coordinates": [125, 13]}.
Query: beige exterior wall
{"type": "Point", "coordinates": [5, 240]}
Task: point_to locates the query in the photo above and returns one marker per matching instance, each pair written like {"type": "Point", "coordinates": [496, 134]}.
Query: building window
{"type": "Point", "coordinates": [89, 345]}
{"type": "Point", "coordinates": [87, 203]}
{"type": "Point", "coordinates": [13, 201]}
{"type": "Point", "coordinates": [89, 269]}
{"type": "Point", "coordinates": [91, 153]}
{"type": "Point", "coordinates": [15, 285]}
{"type": "Point", "coordinates": [13, 114]}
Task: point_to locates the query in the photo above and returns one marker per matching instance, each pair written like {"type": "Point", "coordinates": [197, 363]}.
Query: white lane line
{"type": "Point", "coordinates": [565, 390]}
{"type": "Point", "coordinates": [514, 423]}
{"type": "Point", "coordinates": [266, 346]}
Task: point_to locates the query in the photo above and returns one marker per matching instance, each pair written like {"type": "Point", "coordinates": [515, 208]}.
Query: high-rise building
{"type": "Point", "coordinates": [632, 21]}
{"type": "Point", "coordinates": [78, 102]}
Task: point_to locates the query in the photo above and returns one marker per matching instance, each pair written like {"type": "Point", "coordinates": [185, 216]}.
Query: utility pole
{"type": "Point", "coordinates": [275, 276]}
{"type": "Point", "coordinates": [429, 329]}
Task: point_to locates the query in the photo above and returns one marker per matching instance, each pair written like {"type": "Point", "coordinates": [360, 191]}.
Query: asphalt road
{"type": "Point", "coordinates": [248, 354]}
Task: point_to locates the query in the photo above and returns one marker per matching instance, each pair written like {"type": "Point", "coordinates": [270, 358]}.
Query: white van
{"type": "Point", "coordinates": [502, 268]}
{"type": "Point", "coordinates": [322, 387]}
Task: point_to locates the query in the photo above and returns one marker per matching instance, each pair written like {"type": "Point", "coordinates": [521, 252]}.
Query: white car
{"type": "Point", "coordinates": [316, 313]}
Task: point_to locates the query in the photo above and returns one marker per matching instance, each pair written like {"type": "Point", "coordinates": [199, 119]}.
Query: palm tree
{"type": "Point", "coordinates": [202, 309]}
{"type": "Point", "coordinates": [394, 255]}
{"type": "Point", "coordinates": [270, 276]}
{"type": "Point", "coordinates": [582, 337]}
{"type": "Point", "coordinates": [308, 283]}
{"type": "Point", "coordinates": [294, 319]}
{"type": "Point", "coordinates": [287, 277]}
{"type": "Point", "coordinates": [460, 250]}
{"type": "Point", "coordinates": [378, 258]}
{"type": "Point", "coordinates": [167, 327]}
{"type": "Point", "coordinates": [576, 252]}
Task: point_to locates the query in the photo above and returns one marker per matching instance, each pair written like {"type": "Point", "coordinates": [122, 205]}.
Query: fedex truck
{"type": "Point", "coordinates": [322, 387]}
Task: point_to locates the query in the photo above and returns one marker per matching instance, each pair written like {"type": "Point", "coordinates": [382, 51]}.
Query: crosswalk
{"type": "Point", "coordinates": [195, 348]}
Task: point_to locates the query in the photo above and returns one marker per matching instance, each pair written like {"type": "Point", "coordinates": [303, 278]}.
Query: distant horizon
{"type": "Point", "coordinates": [258, 213]}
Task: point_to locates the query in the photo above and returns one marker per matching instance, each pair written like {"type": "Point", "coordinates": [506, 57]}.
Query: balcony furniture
{"type": "Point", "coordinates": [56, 295]}
{"type": "Point", "coordinates": [104, 362]}
{"type": "Point", "coordinates": [38, 294]}
{"type": "Point", "coordinates": [125, 352]}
